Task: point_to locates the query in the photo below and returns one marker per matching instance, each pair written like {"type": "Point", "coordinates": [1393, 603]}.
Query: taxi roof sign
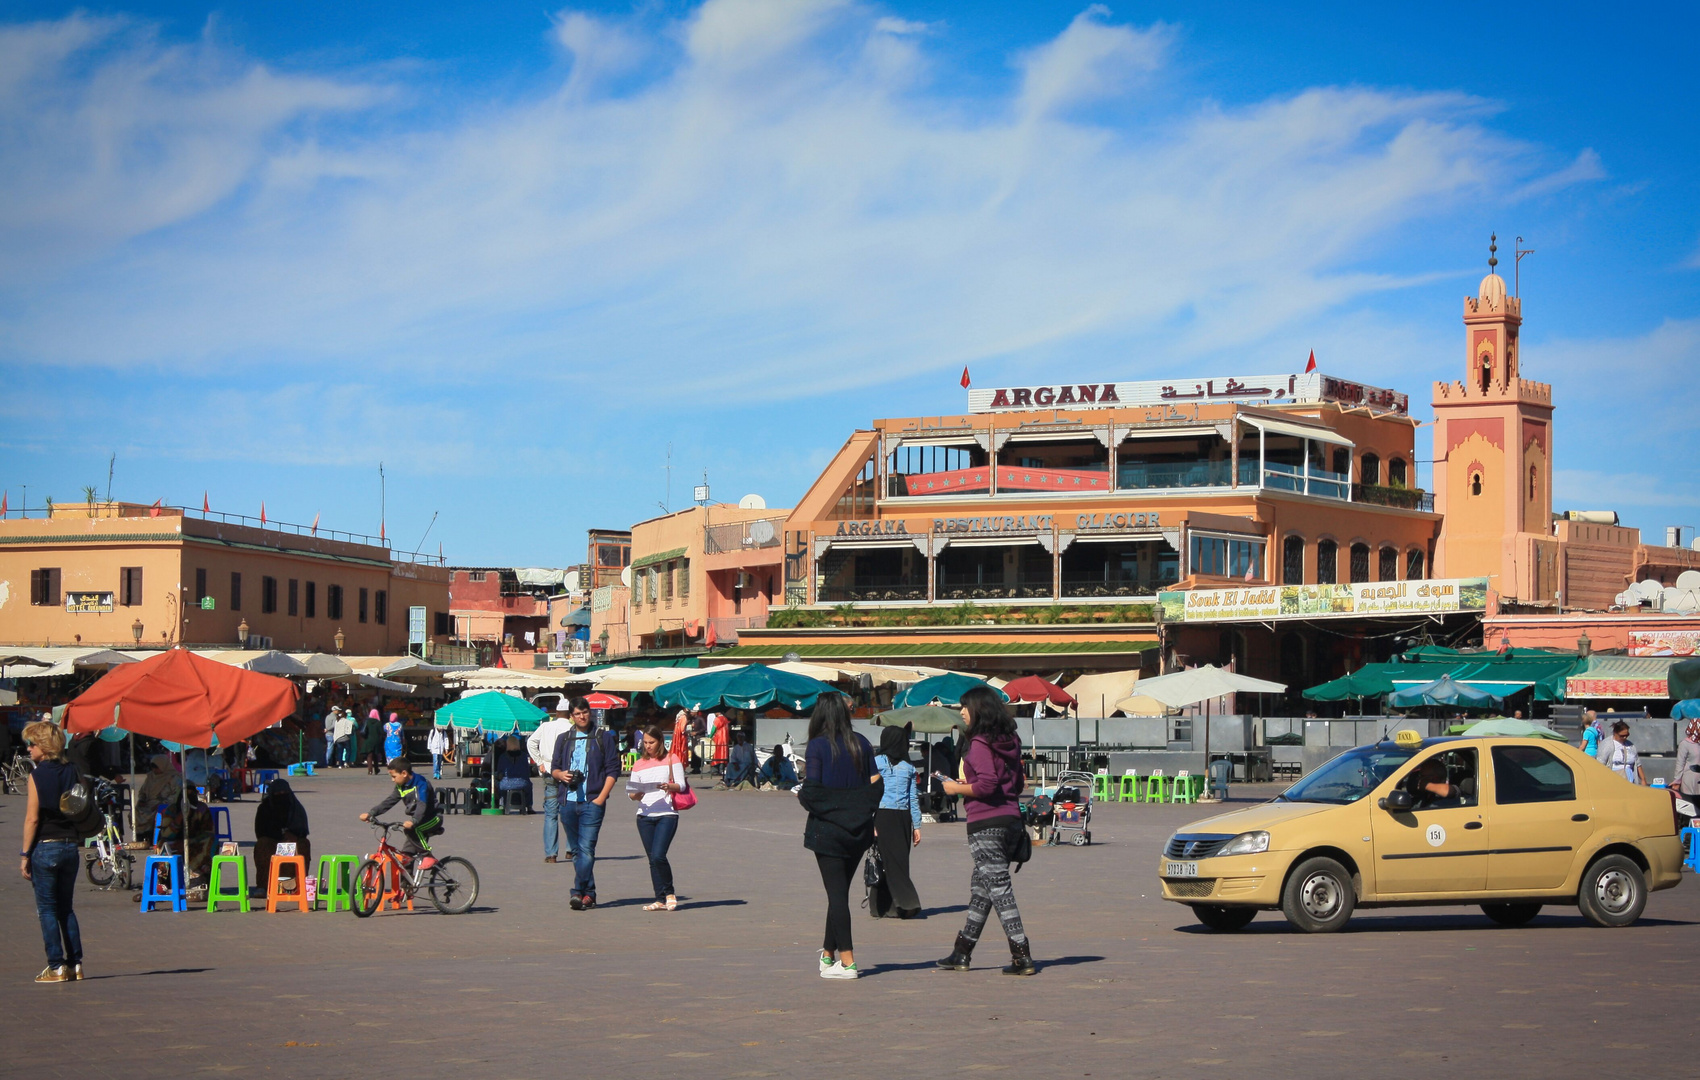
{"type": "Point", "coordinates": [1406, 739]}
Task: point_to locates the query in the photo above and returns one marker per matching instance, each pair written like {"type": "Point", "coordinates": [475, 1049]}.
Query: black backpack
{"type": "Point", "coordinates": [79, 805]}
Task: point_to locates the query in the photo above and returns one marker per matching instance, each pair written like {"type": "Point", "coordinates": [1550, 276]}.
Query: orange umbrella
{"type": "Point", "coordinates": [184, 698]}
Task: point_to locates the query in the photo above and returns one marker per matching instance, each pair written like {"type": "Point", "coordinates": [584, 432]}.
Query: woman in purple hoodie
{"type": "Point", "coordinates": [991, 786]}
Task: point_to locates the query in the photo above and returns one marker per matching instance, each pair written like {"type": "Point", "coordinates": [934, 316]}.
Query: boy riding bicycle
{"type": "Point", "coordinates": [419, 800]}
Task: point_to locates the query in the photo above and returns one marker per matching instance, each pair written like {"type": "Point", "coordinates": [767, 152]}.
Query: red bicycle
{"type": "Point", "coordinates": [388, 877]}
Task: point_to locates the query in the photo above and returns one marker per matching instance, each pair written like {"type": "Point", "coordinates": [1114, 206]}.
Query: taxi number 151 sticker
{"type": "Point", "coordinates": [1436, 835]}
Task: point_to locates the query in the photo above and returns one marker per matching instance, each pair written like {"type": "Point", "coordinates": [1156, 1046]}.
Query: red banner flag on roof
{"type": "Point", "coordinates": [965, 376]}
{"type": "Point", "coordinates": [262, 511]}
{"type": "Point", "coordinates": [315, 524]}
{"type": "Point", "coordinates": [381, 535]}
{"type": "Point", "coordinates": [3, 496]}
{"type": "Point", "coordinates": [206, 503]}
{"type": "Point", "coordinates": [153, 511]}
{"type": "Point", "coordinates": [1310, 365]}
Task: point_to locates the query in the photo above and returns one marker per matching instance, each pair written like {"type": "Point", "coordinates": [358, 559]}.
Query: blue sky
{"type": "Point", "coordinates": [514, 254]}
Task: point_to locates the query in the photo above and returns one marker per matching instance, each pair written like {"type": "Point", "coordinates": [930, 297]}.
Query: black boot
{"type": "Point", "coordinates": [1021, 959]}
{"type": "Point", "coordinates": [958, 958]}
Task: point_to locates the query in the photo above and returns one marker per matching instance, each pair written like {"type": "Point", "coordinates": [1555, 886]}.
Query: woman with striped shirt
{"type": "Point", "coordinates": [656, 777]}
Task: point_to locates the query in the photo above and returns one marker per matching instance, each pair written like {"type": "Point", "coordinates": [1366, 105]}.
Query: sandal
{"type": "Point", "coordinates": [657, 906]}
{"type": "Point", "coordinates": [672, 904]}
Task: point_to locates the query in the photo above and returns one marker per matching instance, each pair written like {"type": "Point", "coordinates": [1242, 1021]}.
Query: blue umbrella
{"type": "Point", "coordinates": [1445, 691]}
{"type": "Point", "coordinates": [946, 689]}
{"type": "Point", "coordinates": [1687, 709]}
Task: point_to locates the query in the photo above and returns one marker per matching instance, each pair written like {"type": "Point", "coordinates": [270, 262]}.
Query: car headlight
{"type": "Point", "coordinates": [1247, 843]}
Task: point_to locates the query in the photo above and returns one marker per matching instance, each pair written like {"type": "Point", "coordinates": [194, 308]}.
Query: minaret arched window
{"type": "Point", "coordinates": [1475, 483]}
{"type": "Point", "coordinates": [1531, 483]}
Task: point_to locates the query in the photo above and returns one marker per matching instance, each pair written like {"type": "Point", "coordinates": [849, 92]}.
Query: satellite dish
{"type": "Point", "coordinates": [762, 532]}
{"type": "Point", "coordinates": [752, 502]}
{"type": "Point", "coordinates": [571, 582]}
{"type": "Point", "coordinates": [626, 577]}
{"type": "Point", "coordinates": [1688, 579]}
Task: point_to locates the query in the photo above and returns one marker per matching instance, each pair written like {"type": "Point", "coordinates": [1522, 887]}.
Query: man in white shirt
{"type": "Point", "coordinates": [541, 747]}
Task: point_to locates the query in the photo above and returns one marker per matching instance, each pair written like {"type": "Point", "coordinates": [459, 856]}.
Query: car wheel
{"type": "Point", "coordinates": [1613, 891]}
{"type": "Point", "coordinates": [1226, 919]}
{"type": "Point", "coordinates": [1319, 896]}
{"type": "Point", "coordinates": [1511, 914]}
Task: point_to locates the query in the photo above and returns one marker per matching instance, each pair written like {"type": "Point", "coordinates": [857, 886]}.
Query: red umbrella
{"type": "Point", "coordinates": [605, 701]}
{"type": "Point", "coordinates": [183, 698]}
{"type": "Point", "coordinates": [1033, 688]}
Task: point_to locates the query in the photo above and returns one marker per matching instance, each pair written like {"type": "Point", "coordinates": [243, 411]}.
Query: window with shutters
{"type": "Point", "coordinates": [1327, 552]}
{"type": "Point", "coordinates": [235, 591]}
{"type": "Point", "coordinates": [130, 586]}
{"type": "Point", "coordinates": [200, 584]}
{"type": "Point", "coordinates": [381, 607]}
{"type": "Point", "coordinates": [312, 600]}
{"type": "Point", "coordinates": [44, 587]}
{"type": "Point", "coordinates": [364, 598]}
{"type": "Point", "coordinates": [1293, 561]}
{"type": "Point", "coordinates": [1360, 563]}
{"type": "Point", "coordinates": [268, 595]}
{"type": "Point", "coordinates": [333, 601]}
{"type": "Point", "coordinates": [1371, 469]}
{"type": "Point", "coordinates": [441, 624]}
{"type": "Point", "coordinates": [1414, 562]}
{"type": "Point", "coordinates": [684, 579]}
{"type": "Point", "coordinates": [294, 596]}
{"type": "Point", "coordinates": [1389, 565]}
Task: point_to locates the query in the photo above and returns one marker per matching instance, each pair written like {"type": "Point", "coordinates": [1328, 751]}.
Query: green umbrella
{"type": "Point", "coordinates": [928, 719]}
{"type": "Point", "coordinates": [946, 689]}
{"type": "Point", "coordinates": [1511, 728]}
{"type": "Point", "coordinates": [1362, 683]}
{"type": "Point", "coordinates": [752, 687]}
{"type": "Point", "coordinates": [492, 712]}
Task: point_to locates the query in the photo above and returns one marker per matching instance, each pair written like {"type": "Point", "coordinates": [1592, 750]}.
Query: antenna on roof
{"type": "Point", "coordinates": [1517, 267]}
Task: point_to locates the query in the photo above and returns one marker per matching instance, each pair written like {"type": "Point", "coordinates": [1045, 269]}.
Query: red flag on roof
{"type": "Point", "coordinates": [206, 503]}
{"type": "Point", "coordinates": [262, 511]}
{"type": "Point", "coordinates": [153, 511]}
{"type": "Point", "coordinates": [965, 376]}
{"type": "Point", "coordinates": [1310, 365]}
{"type": "Point", "coordinates": [315, 524]}
{"type": "Point", "coordinates": [3, 496]}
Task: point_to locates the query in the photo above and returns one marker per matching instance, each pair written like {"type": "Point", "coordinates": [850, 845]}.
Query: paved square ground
{"type": "Point", "coordinates": [726, 986]}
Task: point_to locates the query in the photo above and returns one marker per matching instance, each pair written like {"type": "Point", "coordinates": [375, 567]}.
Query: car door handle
{"type": "Point", "coordinates": [1472, 825]}
{"type": "Point", "coordinates": [1578, 817]}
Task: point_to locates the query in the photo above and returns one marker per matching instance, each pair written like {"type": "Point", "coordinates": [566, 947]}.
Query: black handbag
{"type": "Point", "coordinates": [1020, 847]}
{"type": "Point", "coordinates": [878, 898]}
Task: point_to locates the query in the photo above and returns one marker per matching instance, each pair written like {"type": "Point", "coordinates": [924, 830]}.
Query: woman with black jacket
{"type": "Point", "coordinates": [280, 818]}
{"type": "Point", "coordinates": [841, 789]}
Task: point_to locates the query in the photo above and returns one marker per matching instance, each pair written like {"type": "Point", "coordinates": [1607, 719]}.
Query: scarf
{"type": "Point", "coordinates": [1693, 732]}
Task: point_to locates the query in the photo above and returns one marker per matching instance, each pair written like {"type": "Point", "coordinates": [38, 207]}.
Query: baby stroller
{"type": "Point", "coordinates": [1071, 809]}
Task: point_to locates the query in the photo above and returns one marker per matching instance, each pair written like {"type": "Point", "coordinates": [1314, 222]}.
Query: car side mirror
{"type": "Point", "coordinates": [1398, 800]}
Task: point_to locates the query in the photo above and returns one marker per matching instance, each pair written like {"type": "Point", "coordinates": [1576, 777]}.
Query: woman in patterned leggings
{"type": "Point", "coordinates": [991, 786]}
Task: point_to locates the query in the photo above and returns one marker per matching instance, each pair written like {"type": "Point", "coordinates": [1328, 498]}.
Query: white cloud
{"type": "Point", "coordinates": [1090, 60]}
{"type": "Point", "coordinates": [1586, 168]}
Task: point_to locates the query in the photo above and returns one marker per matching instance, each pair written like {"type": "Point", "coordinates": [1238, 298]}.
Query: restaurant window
{"type": "Point", "coordinates": [1118, 567]}
{"type": "Point", "coordinates": [312, 599]}
{"type": "Point", "coordinates": [1360, 563]}
{"type": "Point", "coordinates": [268, 595]}
{"type": "Point", "coordinates": [381, 607]}
{"type": "Point", "coordinates": [1372, 469]}
{"type": "Point", "coordinates": [235, 591]}
{"type": "Point", "coordinates": [130, 586]}
{"type": "Point", "coordinates": [1075, 462]}
{"type": "Point", "coordinates": [1327, 552]}
{"type": "Point", "coordinates": [44, 587]}
{"type": "Point", "coordinates": [885, 572]}
{"type": "Point", "coordinates": [1221, 556]}
{"type": "Point", "coordinates": [333, 601]}
{"type": "Point", "coordinates": [200, 584]}
{"type": "Point", "coordinates": [1389, 565]}
{"type": "Point", "coordinates": [1293, 561]}
{"type": "Point", "coordinates": [1414, 565]}
{"type": "Point", "coordinates": [1396, 472]}
{"type": "Point", "coordinates": [1003, 571]}
{"type": "Point", "coordinates": [365, 596]}
{"type": "Point", "coordinates": [294, 596]}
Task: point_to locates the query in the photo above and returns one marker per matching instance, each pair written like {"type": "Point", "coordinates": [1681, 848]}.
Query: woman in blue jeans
{"type": "Point", "coordinates": [656, 777]}
{"type": "Point", "coordinates": [52, 853]}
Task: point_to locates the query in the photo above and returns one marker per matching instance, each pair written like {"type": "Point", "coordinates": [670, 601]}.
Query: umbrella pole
{"type": "Point", "coordinates": [1209, 796]}
{"type": "Point", "coordinates": [131, 772]}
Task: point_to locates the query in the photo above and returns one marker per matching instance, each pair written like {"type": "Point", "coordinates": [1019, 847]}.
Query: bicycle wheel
{"type": "Point", "coordinates": [100, 872]}
{"type": "Point", "coordinates": [453, 885]}
{"type": "Point", "coordinates": [368, 887]}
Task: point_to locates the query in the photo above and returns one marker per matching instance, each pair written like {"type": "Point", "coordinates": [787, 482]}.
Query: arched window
{"type": "Point", "coordinates": [1475, 483]}
{"type": "Point", "coordinates": [1531, 483]}
{"type": "Point", "coordinates": [1396, 472]}
{"type": "Point", "coordinates": [1486, 360]}
{"type": "Point", "coordinates": [1293, 561]}
{"type": "Point", "coordinates": [1360, 563]}
{"type": "Point", "coordinates": [1389, 564]}
{"type": "Point", "coordinates": [1372, 469]}
{"type": "Point", "coordinates": [1414, 564]}
{"type": "Point", "coordinates": [1326, 550]}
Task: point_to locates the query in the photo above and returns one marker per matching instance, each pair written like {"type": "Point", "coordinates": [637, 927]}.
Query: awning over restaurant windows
{"type": "Point", "coordinates": [1303, 431]}
{"type": "Point", "coordinates": [1622, 677]}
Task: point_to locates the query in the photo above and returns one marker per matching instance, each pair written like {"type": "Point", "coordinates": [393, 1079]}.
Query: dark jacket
{"type": "Point", "coordinates": [841, 820]}
{"type": "Point", "coordinates": [601, 758]}
{"type": "Point", "coordinates": [417, 798]}
{"type": "Point", "coordinates": [992, 767]}
{"type": "Point", "coordinates": [280, 811]}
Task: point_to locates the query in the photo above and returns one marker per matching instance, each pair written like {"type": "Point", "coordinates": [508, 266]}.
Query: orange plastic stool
{"type": "Point", "coordinates": [275, 896]}
{"type": "Point", "coordinates": [394, 897]}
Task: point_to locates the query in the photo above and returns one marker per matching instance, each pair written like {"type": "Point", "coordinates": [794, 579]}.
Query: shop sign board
{"type": "Point", "coordinates": [1664, 643]}
{"type": "Point", "coordinates": [1580, 686]}
{"type": "Point", "coordinates": [1108, 522]}
{"type": "Point", "coordinates": [89, 603]}
{"type": "Point", "coordinates": [1245, 389]}
{"type": "Point", "coordinates": [1268, 602]}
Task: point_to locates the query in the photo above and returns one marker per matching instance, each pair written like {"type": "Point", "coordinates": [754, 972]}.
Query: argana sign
{"type": "Point", "coordinates": [1418, 597]}
{"type": "Point", "coordinates": [1245, 389]}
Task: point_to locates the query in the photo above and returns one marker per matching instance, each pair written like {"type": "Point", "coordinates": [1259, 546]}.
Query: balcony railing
{"type": "Point", "coordinates": [994, 591]}
{"type": "Point", "coordinates": [744, 535]}
{"type": "Point", "coordinates": [1329, 485]}
{"type": "Point", "coordinates": [1403, 498]}
{"type": "Point", "coordinates": [726, 629]}
{"type": "Point", "coordinates": [1138, 476]}
{"type": "Point", "coordinates": [1087, 584]}
{"type": "Point", "coordinates": [874, 590]}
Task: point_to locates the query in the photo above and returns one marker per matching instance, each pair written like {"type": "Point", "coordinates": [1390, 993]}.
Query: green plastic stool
{"type": "Point", "coordinates": [1156, 786]}
{"type": "Point", "coordinates": [1129, 787]}
{"type": "Point", "coordinates": [1101, 787]}
{"type": "Point", "coordinates": [215, 890]}
{"type": "Point", "coordinates": [1182, 791]}
{"type": "Point", "coordinates": [336, 888]}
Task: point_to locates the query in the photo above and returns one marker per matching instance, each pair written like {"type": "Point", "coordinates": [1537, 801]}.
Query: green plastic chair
{"type": "Point", "coordinates": [1101, 787]}
{"type": "Point", "coordinates": [1129, 788]}
{"type": "Point", "coordinates": [216, 892]}
{"type": "Point", "coordinates": [1156, 786]}
{"type": "Point", "coordinates": [336, 882]}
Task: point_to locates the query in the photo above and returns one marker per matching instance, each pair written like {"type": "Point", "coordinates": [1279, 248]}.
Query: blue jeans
{"type": "Point", "coordinates": [583, 820]}
{"type": "Point", "coordinates": [657, 835]}
{"type": "Point", "coordinates": [436, 766]}
{"type": "Point", "coordinates": [342, 752]}
{"type": "Point", "coordinates": [552, 821]}
{"type": "Point", "coordinates": [53, 871]}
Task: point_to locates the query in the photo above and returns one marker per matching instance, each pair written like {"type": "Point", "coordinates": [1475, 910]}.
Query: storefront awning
{"type": "Point", "coordinates": [1621, 677]}
{"type": "Point", "coordinates": [1303, 431]}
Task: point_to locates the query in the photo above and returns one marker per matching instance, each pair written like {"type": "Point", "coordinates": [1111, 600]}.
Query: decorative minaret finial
{"type": "Point", "coordinates": [1493, 253]}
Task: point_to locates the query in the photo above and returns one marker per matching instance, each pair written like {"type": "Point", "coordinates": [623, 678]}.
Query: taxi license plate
{"type": "Point", "coordinates": [1181, 869]}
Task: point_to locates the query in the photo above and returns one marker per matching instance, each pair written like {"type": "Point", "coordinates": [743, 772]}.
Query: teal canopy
{"type": "Point", "coordinates": [491, 712]}
{"type": "Point", "coordinates": [1445, 691]}
{"type": "Point", "coordinates": [1369, 681]}
{"type": "Point", "coordinates": [1512, 728]}
{"type": "Point", "coordinates": [928, 719]}
{"type": "Point", "coordinates": [946, 689]}
{"type": "Point", "coordinates": [754, 687]}
{"type": "Point", "coordinates": [1684, 677]}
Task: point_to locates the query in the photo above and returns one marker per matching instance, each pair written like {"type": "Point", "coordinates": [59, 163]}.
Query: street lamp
{"type": "Point", "coordinates": [242, 633]}
{"type": "Point", "coordinates": [339, 640]}
{"type": "Point", "coordinates": [1584, 645]}
{"type": "Point", "coordinates": [136, 631]}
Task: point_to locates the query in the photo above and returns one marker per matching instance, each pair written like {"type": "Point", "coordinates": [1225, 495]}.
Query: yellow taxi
{"type": "Point", "coordinates": [1507, 823]}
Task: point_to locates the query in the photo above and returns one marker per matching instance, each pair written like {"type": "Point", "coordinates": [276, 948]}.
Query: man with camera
{"type": "Point", "coordinates": [585, 763]}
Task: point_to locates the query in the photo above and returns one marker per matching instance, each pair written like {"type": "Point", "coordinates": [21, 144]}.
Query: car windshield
{"type": "Point", "coordinates": [1349, 777]}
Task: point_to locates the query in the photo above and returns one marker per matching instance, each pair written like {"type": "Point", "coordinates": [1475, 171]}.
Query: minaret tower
{"type": "Point", "coordinates": [1492, 446]}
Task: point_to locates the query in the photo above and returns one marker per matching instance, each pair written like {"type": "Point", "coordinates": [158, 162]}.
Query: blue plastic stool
{"type": "Point", "coordinates": [301, 768]}
{"type": "Point", "coordinates": [158, 821]}
{"type": "Point", "coordinates": [172, 893]}
{"type": "Point", "coordinates": [263, 779]}
{"type": "Point", "coordinates": [221, 824]}
{"type": "Point", "coordinates": [1690, 838]}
